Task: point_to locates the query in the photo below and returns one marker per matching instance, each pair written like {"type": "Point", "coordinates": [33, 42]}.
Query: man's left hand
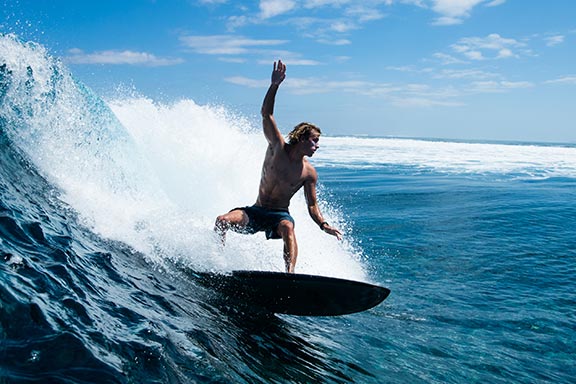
{"type": "Point", "coordinates": [332, 231]}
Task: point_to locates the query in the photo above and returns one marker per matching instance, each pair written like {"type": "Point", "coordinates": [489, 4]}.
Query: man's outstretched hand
{"type": "Point", "coordinates": [279, 72]}
{"type": "Point", "coordinates": [332, 231]}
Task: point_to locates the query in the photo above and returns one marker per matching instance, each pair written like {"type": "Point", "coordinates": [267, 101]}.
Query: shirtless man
{"type": "Point", "coordinates": [284, 172]}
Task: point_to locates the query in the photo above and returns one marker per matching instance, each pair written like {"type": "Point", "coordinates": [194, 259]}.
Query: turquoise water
{"type": "Point", "coordinates": [101, 203]}
{"type": "Point", "coordinates": [480, 268]}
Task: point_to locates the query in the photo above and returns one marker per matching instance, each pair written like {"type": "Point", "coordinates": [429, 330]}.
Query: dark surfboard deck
{"type": "Point", "coordinates": [295, 294]}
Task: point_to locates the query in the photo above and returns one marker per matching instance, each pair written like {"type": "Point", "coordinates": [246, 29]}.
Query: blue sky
{"type": "Point", "coordinates": [462, 69]}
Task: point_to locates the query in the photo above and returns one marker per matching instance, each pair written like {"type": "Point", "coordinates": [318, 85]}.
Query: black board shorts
{"type": "Point", "coordinates": [264, 219]}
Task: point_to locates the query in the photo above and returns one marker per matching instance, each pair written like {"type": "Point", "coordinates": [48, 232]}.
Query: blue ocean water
{"type": "Point", "coordinates": [102, 203]}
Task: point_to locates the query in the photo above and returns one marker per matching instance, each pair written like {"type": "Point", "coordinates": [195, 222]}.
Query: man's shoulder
{"type": "Point", "coordinates": [275, 148]}
{"type": "Point", "coordinates": [310, 171]}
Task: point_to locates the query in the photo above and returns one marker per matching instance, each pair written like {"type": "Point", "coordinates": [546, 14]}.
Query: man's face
{"type": "Point", "coordinates": [311, 144]}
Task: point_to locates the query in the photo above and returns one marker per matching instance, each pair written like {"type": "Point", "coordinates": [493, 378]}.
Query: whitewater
{"type": "Point", "coordinates": [153, 176]}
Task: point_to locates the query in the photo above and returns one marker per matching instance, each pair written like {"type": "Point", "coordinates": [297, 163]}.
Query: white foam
{"type": "Point", "coordinates": [531, 161]}
{"type": "Point", "coordinates": [154, 176]}
{"type": "Point", "coordinates": [208, 162]}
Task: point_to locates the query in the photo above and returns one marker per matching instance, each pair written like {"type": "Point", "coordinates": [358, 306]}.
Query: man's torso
{"type": "Point", "coordinates": [281, 178]}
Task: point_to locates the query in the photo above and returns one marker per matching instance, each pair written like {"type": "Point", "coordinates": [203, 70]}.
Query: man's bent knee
{"type": "Point", "coordinates": [221, 223]}
{"type": "Point", "coordinates": [232, 219]}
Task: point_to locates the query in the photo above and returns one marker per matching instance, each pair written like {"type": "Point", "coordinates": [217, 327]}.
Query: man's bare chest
{"type": "Point", "coordinates": [283, 171]}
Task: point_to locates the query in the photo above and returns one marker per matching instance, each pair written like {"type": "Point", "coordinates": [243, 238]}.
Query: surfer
{"type": "Point", "coordinates": [284, 172]}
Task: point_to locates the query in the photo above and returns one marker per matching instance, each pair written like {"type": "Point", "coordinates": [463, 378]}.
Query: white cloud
{"type": "Point", "coordinates": [446, 59]}
{"type": "Point", "coordinates": [246, 82]}
{"type": "Point", "coordinates": [424, 102]}
{"type": "Point", "coordinates": [498, 86]}
{"type": "Point", "coordinates": [463, 74]}
{"type": "Point", "coordinates": [356, 11]}
{"type": "Point", "coordinates": [343, 17]}
{"type": "Point", "coordinates": [225, 44]}
{"type": "Point", "coordinates": [335, 42]}
{"type": "Point", "coordinates": [342, 26]}
{"type": "Point", "coordinates": [77, 56]}
{"type": "Point", "coordinates": [235, 60]}
{"type": "Point", "coordinates": [455, 11]}
{"type": "Point", "coordinates": [271, 8]}
{"type": "Point", "coordinates": [505, 53]}
{"type": "Point", "coordinates": [333, 31]}
{"type": "Point", "coordinates": [411, 94]}
{"type": "Point", "coordinates": [570, 80]}
{"type": "Point", "coordinates": [554, 40]}
{"type": "Point", "coordinates": [323, 3]}
{"type": "Point", "coordinates": [401, 95]}
{"type": "Point", "coordinates": [286, 59]}
{"type": "Point", "coordinates": [474, 55]}
{"type": "Point", "coordinates": [495, 3]}
{"type": "Point", "coordinates": [492, 46]}
{"type": "Point", "coordinates": [363, 13]}
{"type": "Point", "coordinates": [516, 84]}
{"type": "Point", "coordinates": [232, 47]}
{"type": "Point", "coordinates": [308, 85]}
{"type": "Point", "coordinates": [403, 68]}
{"type": "Point", "coordinates": [237, 22]}
{"type": "Point", "coordinates": [342, 59]}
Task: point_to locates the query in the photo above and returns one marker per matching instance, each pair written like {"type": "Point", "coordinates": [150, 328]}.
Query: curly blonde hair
{"type": "Point", "coordinates": [302, 132]}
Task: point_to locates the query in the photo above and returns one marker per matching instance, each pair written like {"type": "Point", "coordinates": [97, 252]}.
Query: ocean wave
{"type": "Point", "coordinates": [151, 175]}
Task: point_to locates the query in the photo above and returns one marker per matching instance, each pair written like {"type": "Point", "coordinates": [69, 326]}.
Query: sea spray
{"type": "Point", "coordinates": [209, 161]}
{"type": "Point", "coordinates": [151, 175]}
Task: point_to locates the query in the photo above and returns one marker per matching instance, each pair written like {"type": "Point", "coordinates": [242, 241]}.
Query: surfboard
{"type": "Point", "coordinates": [295, 294]}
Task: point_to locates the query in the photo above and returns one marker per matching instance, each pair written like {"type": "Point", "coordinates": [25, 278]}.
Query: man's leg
{"type": "Point", "coordinates": [235, 219]}
{"type": "Point", "coordinates": [286, 231]}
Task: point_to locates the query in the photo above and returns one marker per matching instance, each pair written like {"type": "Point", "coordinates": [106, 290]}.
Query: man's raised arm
{"type": "Point", "coordinates": [271, 131]}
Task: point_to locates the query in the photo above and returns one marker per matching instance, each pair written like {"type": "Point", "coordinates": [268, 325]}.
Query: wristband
{"type": "Point", "coordinates": [322, 224]}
